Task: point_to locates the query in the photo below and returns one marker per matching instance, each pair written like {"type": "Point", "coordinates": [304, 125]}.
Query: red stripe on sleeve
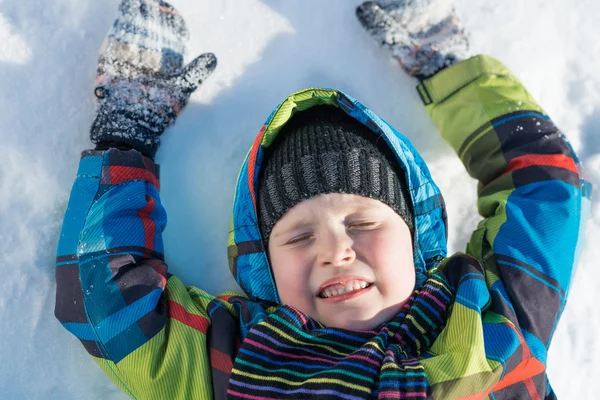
{"type": "Point", "coordinates": [198, 322]}
{"type": "Point", "coordinates": [547, 160]}
{"type": "Point", "coordinates": [119, 174]}
{"type": "Point", "coordinates": [225, 297]}
{"type": "Point", "coordinates": [160, 268]}
{"type": "Point", "coordinates": [533, 393]}
{"type": "Point", "coordinates": [220, 361]}
{"type": "Point", "coordinates": [252, 163]}
{"type": "Point", "coordinates": [149, 224]}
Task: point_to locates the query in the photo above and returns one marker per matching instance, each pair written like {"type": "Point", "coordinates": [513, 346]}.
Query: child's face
{"type": "Point", "coordinates": [336, 241]}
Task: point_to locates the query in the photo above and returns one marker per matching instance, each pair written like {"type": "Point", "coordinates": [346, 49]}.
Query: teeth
{"type": "Point", "coordinates": [338, 289]}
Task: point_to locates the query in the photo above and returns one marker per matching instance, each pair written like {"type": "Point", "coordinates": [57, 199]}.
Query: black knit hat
{"type": "Point", "coordinates": [324, 150]}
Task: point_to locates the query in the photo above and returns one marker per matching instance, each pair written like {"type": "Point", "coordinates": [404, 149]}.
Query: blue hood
{"type": "Point", "coordinates": [247, 257]}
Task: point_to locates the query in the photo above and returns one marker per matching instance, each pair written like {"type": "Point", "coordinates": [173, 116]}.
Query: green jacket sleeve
{"type": "Point", "coordinates": [531, 192]}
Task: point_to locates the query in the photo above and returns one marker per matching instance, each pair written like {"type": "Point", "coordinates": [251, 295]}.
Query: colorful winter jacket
{"type": "Point", "coordinates": [159, 339]}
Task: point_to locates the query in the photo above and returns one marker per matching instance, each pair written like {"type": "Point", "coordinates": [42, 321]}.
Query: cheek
{"type": "Point", "coordinates": [291, 273]}
{"type": "Point", "coordinates": [392, 259]}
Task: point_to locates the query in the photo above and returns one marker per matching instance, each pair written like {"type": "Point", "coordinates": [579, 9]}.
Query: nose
{"type": "Point", "coordinates": [336, 250]}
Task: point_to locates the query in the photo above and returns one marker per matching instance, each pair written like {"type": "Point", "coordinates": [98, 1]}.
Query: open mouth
{"type": "Point", "coordinates": [343, 288]}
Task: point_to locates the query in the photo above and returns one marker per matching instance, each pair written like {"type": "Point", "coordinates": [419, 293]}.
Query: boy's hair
{"type": "Point", "coordinates": [324, 150]}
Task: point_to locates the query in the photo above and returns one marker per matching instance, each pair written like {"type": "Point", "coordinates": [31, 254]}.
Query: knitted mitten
{"type": "Point", "coordinates": [141, 86]}
{"type": "Point", "coordinates": [423, 35]}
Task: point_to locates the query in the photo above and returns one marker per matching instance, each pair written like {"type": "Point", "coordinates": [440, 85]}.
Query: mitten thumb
{"type": "Point", "coordinates": [379, 24]}
{"type": "Point", "coordinates": [193, 74]}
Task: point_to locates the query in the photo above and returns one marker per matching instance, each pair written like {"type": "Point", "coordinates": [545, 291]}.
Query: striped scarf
{"type": "Point", "coordinates": [290, 356]}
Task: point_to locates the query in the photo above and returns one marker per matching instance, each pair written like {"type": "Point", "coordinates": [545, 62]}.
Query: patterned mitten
{"type": "Point", "coordinates": [141, 85]}
{"type": "Point", "coordinates": [425, 36]}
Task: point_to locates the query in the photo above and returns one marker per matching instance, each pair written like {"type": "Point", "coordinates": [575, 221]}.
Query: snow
{"type": "Point", "coordinates": [266, 50]}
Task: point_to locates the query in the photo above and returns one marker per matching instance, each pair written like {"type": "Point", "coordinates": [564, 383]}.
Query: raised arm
{"type": "Point", "coordinates": [146, 330]}
{"type": "Point", "coordinates": [531, 193]}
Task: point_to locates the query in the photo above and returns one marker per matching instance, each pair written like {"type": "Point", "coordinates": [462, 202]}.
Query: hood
{"type": "Point", "coordinates": [248, 260]}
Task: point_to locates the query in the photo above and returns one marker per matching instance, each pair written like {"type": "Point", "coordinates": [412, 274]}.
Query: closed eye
{"type": "Point", "coordinates": [299, 239]}
{"type": "Point", "coordinates": [363, 225]}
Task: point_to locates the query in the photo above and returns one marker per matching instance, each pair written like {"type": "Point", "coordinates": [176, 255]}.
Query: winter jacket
{"type": "Point", "coordinates": [159, 339]}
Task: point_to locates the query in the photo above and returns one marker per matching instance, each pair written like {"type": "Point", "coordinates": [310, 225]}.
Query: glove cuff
{"type": "Point", "coordinates": [117, 128]}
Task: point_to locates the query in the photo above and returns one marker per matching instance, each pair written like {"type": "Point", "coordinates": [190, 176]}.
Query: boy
{"type": "Point", "coordinates": [338, 234]}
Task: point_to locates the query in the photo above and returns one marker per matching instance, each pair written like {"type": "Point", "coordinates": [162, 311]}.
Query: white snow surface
{"type": "Point", "coordinates": [266, 50]}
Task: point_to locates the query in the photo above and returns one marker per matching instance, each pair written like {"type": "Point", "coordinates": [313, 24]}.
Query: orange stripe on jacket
{"type": "Point", "coordinates": [523, 372]}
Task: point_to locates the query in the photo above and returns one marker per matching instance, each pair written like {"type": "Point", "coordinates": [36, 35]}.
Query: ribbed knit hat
{"type": "Point", "coordinates": [324, 150]}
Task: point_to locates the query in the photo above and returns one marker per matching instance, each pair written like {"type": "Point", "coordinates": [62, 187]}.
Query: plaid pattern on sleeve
{"type": "Point", "coordinates": [535, 203]}
{"type": "Point", "coordinates": [110, 257]}
{"type": "Point", "coordinates": [153, 336]}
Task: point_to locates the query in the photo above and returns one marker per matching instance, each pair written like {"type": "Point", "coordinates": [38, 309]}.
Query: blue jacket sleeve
{"type": "Point", "coordinates": [532, 194]}
{"type": "Point", "coordinates": [110, 270]}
